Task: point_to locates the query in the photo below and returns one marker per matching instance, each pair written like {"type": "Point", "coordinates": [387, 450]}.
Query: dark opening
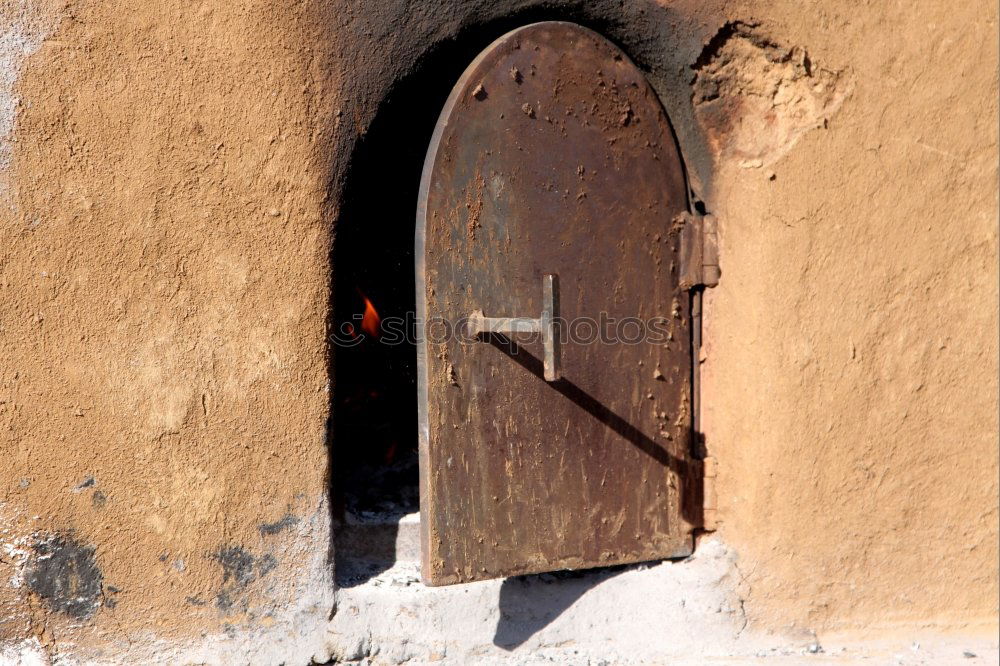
{"type": "Point", "coordinates": [374, 410]}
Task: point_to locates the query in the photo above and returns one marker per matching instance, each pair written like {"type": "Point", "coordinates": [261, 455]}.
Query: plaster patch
{"type": "Point", "coordinates": [754, 99]}
{"type": "Point", "coordinates": [27, 652]}
{"type": "Point", "coordinates": [15, 552]}
{"type": "Point", "coordinates": [25, 23]}
{"type": "Point", "coordinates": [16, 542]}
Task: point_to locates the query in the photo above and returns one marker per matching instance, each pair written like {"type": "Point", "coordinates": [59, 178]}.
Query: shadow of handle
{"type": "Point", "coordinates": [548, 325]}
{"type": "Point", "coordinates": [688, 470]}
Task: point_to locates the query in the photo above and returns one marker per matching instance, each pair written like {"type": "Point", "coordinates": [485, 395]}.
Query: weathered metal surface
{"type": "Point", "coordinates": [699, 254]}
{"type": "Point", "coordinates": [548, 326]}
{"type": "Point", "coordinates": [553, 155]}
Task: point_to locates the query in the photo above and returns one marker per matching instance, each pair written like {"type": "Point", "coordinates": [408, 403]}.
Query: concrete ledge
{"type": "Point", "coordinates": [688, 612]}
{"type": "Point", "coordinates": [625, 615]}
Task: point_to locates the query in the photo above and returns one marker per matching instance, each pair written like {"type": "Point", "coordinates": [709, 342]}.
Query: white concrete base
{"type": "Point", "coordinates": [683, 613]}
{"type": "Point", "coordinates": [631, 615]}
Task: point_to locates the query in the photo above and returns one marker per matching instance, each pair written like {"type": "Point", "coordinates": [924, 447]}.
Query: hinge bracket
{"type": "Point", "coordinates": [710, 498]}
{"type": "Point", "coordinates": [699, 251]}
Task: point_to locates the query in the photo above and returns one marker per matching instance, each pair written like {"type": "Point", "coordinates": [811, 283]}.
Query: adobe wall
{"type": "Point", "coordinates": [170, 179]}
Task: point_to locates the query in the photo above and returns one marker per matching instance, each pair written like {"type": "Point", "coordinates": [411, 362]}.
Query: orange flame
{"type": "Point", "coordinates": [390, 454]}
{"type": "Point", "coordinates": [371, 320]}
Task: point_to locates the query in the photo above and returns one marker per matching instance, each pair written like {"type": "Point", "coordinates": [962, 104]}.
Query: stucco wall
{"type": "Point", "coordinates": [170, 177]}
{"type": "Point", "coordinates": [164, 285]}
{"type": "Point", "coordinates": [850, 388]}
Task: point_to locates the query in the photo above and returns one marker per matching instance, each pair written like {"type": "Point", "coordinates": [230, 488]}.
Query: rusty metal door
{"type": "Point", "coordinates": [554, 371]}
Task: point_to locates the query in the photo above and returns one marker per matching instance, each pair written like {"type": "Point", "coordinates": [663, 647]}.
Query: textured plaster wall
{"type": "Point", "coordinates": [163, 280]}
{"type": "Point", "coordinates": [170, 177]}
{"type": "Point", "coordinates": [850, 385]}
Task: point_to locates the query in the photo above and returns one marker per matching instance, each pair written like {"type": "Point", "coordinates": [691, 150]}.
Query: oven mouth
{"type": "Point", "coordinates": [373, 425]}
{"type": "Point", "coordinates": [373, 434]}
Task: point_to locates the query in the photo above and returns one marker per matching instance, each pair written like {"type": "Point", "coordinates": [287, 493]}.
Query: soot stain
{"type": "Point", "coordinates": [65, 575]}
{"type": "Point", "coordinates": [287, 522]}
{"type": "Point", "coordinates": [86, 483]}
{"type": "Point", "coordinates": [110, 596]}
{"type": "Point", "coordinates": [237, 565]}
{"type": "Point", "coordinates": [239, 569]}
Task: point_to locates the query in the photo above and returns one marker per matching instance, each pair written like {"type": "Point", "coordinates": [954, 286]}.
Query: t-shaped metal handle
{"type": "Point", "coordinates": [548, 325]}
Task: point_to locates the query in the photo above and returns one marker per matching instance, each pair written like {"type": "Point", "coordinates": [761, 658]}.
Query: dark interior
{"type": "Point", "coordinates": [374, 424]}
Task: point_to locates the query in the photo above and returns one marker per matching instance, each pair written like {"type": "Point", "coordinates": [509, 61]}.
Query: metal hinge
{"type": "Point", "coordinates": [710, 498]}
{"type": "Point", "coordinates": [699, 252]}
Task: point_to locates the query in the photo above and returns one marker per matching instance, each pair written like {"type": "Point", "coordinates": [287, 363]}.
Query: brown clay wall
{"type": "Point", "coordinates": [169, 192]}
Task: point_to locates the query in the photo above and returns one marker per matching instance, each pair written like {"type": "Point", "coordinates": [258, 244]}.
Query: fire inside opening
{"type": "Point", "coordinates": [374, 418]}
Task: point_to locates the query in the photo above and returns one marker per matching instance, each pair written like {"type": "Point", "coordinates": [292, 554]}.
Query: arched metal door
{"type": "Point", "coordinates": [553, 187]}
